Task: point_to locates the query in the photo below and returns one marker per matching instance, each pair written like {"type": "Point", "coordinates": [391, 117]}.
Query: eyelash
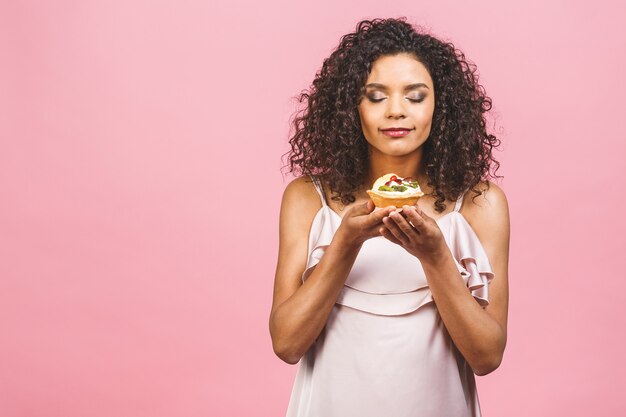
{"type": "Point", "coordinates": [378, 100]}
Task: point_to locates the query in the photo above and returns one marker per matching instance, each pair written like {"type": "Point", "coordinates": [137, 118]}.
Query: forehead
{"type": "Point", "coordinates": [398, 70]}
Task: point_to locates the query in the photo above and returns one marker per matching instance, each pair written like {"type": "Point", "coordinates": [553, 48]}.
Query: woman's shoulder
{"type": "Point", "coordinates": [492, 197]}
{"type": "Point", "coordinates": [301, 188]}
{"type": "Point", "coordinates": [301, 198]}
{"type": "Point", "coordinates": [487, 211]}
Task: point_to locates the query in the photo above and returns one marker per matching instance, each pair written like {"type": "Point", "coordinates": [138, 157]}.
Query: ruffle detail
{"type": "Point", "coordinates": [385, 304]}
{"type": "Point", "coordinates": [386, 280]}
{"type": "Point", "coordinates": [323, 228]}
{"type": "Point", "coordinates": [470, 256]}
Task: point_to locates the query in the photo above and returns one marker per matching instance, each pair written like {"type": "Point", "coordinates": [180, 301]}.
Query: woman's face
{"type": "Point", "coordinates": [398, 93]}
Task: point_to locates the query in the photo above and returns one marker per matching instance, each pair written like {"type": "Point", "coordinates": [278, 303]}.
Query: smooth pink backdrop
{"type": "Point", "coordinates": [132, 285]}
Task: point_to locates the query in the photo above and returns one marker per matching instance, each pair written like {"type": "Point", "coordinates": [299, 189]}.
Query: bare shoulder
{"type": "Point", "coordinates": [490, 205]}
{"type": "Point", "coordinates": [298, 208]}
{"type": "Point", "coordinates": [300, 198]}
{"type": "Point", "coordinates": [488, 214]}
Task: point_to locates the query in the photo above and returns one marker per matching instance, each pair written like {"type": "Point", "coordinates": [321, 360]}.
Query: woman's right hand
{"type": "Point", "coordinates": [361, 222]}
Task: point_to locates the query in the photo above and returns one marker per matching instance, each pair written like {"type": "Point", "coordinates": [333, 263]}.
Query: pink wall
{"type": "Point", "coordinates": [129, 286]}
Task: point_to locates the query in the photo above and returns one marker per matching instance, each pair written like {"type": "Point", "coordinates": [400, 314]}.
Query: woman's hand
{"type": "Point", "coordinates": [362, 222]}
{"type": "Point", "coordinates": [417, 232]}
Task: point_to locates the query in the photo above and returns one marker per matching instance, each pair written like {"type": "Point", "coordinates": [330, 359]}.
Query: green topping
{"type": "Point", "coordinates": [392, 188]}
{"type": "Point", "coordinates": [412, 184]}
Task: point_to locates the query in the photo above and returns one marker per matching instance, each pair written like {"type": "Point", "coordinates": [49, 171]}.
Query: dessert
{"type": "Point", "coordinates": [393, 190]}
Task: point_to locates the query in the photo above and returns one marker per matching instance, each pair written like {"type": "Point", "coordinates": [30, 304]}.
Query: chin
{"type": "Point", "coordinates": [399, 150]}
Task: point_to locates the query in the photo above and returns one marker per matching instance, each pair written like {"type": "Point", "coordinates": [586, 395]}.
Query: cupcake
{"type": "Point", "coordinates": [393, 190]}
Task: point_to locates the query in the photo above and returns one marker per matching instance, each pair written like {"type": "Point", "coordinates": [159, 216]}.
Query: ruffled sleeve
{"type": "Point", "coordinates": [322, 231]}
{"type": "Point", "coordinates": [470, 257]}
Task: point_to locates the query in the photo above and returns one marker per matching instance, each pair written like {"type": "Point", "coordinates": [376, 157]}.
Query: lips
{"type": "Point", "coordinates": [396, 132]}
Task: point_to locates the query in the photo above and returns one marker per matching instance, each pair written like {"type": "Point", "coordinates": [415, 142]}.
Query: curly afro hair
{"type": "Point", "coordinates": [328, 141]}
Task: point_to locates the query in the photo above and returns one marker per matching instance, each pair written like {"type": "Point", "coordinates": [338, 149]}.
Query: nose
{"type": "Point", "coordinates": [395, 107]}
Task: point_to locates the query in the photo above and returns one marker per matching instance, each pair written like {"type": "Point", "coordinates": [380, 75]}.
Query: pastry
{"type": "Point", "coordinates": [393, 190]}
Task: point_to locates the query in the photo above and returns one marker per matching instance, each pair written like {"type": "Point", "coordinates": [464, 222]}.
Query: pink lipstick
{"type": "Point", "coordinates": [396, 132]}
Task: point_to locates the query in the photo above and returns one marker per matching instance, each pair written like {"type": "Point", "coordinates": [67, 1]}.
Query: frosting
{"type": "Point", "coordinates": [393, 185]}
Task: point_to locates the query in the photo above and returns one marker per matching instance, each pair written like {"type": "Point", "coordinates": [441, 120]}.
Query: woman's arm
{"type": "Point", "coordinates": [479, 333]}
{"type": "Point", "coordinates": [300, 310]}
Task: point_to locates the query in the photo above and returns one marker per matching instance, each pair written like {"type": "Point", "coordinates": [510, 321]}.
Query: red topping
{"type": "Point", "coordinates": [393, 179]}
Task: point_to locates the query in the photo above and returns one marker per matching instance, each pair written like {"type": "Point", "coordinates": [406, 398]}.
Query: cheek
{"type": "Point", "coordinates": [367, 119]}
{"type": "Point", "coordinates": [424, 116]}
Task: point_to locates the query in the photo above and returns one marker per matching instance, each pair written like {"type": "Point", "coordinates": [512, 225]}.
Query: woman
{"type": "Point", "coordinates": [389, 312]}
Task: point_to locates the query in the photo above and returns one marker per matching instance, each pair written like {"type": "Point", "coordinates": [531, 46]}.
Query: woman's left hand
{"type": "Point", "coordinates": [421, 237]}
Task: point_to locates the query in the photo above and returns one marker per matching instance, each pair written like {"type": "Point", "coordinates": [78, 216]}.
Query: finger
{"type": "Point", "coordinates": [395, 230]}
{"type": "Point", "coordinates": [360, 209]}
{"type": "Point", "coordinates": [403, 224]}
{"type": "Point", "coordinates": [377, 215]}
{"type": "Point", "coordinates": [364, 208]}
{"type": "Point", "coordinates": [389, 236]}
{"type": "Point", "coordinates": [421, 213]}
{"type": "Point", "coordinates": [416, 220]}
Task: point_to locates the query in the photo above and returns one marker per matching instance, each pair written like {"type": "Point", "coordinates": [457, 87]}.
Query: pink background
{"type": "Point", "coordinates": [129, 286]}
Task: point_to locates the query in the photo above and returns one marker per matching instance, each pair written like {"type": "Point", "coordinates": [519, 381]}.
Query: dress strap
{"type": "Point", "coordinates": [320, 190]}
{"type": "Point", "coordinates": [459, 201]}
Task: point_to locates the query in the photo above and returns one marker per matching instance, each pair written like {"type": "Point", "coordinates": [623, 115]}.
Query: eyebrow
{"type": "Point", "coordinates": [406, 88]}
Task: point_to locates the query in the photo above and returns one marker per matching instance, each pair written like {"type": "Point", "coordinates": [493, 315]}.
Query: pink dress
{"type": "Point", "coordinates": [385, 350]}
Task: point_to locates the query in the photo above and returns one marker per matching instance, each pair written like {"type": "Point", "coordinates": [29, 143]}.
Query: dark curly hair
{"type": "Point", "coordinates": [458, 152]}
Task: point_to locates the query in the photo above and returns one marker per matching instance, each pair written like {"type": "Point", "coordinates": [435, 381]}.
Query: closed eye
{"type": "Point", "coordinates": [413, 100]}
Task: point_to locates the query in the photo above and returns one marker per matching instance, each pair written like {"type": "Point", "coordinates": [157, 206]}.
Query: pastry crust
{"type": "Point", "coordinates": [381, 201]}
